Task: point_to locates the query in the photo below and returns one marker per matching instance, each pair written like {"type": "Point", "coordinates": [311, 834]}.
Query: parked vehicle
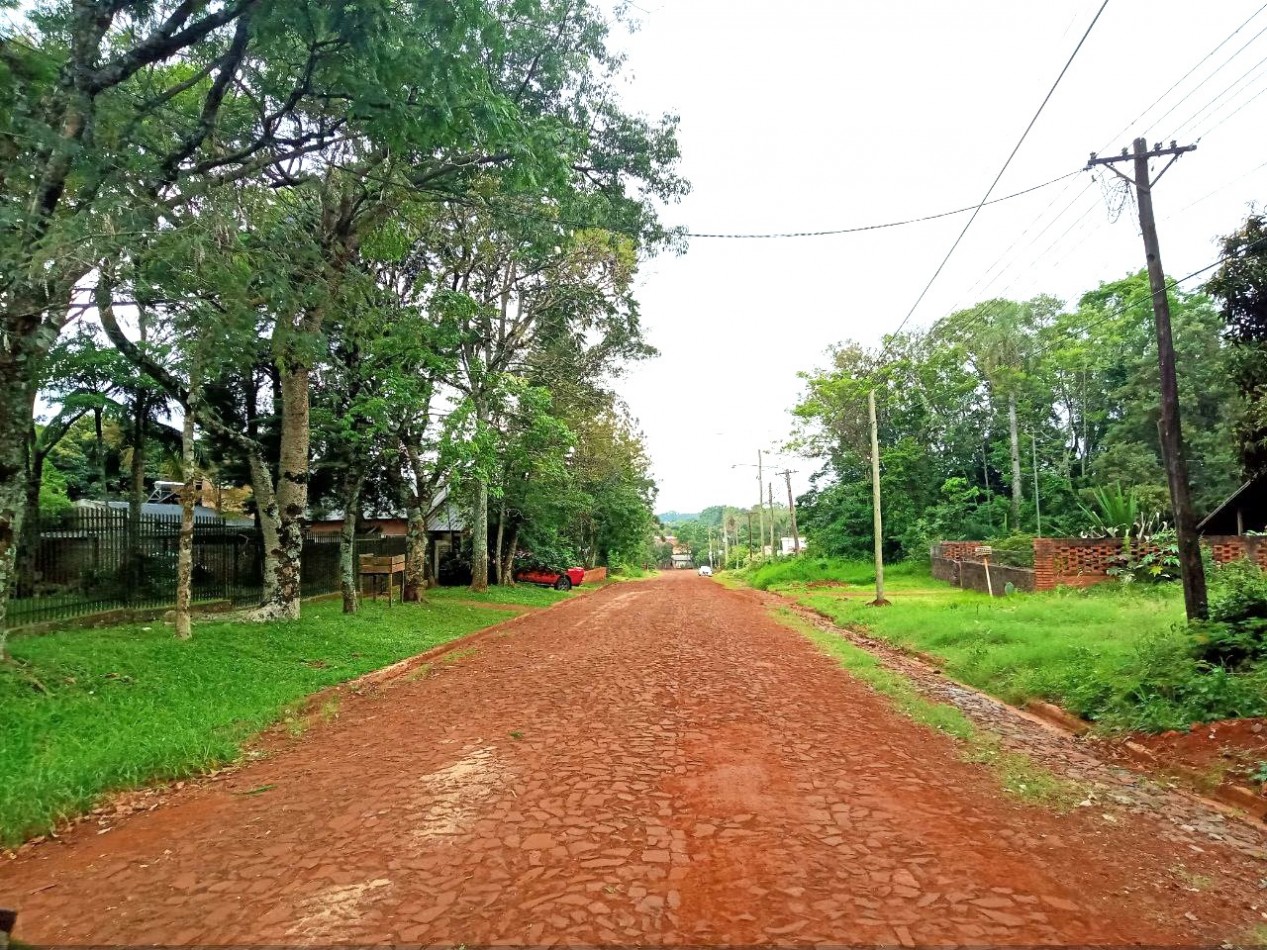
{"type": "Point", "coordinates": [565, 580]}
{"type": "Point", "coordinates": [705, 571]}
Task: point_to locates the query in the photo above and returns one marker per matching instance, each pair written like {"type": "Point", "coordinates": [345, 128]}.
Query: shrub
{"type": "Point", "coordinates": [1016, 550]}
{"type": "Point", "coordinates": [547, 555]}
{"type": "Point", "coordinates": [1153, 560]}
{"type": "Point", "coordinates": [1237, 631]}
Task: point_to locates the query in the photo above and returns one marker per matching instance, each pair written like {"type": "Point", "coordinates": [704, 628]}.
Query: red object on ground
{"type": "Point", "coordinates": [574, 575]}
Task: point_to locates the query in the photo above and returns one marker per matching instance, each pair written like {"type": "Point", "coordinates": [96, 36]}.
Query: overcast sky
{"type": "Point", "coordinates": [820, 114]}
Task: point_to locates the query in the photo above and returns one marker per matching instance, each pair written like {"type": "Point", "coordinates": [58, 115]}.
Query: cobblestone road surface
{"type": "Point", "coordinates": [656, 762]}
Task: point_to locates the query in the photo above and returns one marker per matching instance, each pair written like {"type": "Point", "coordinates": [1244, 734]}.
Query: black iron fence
{"type": "Point", "coordinates": [89, 561]}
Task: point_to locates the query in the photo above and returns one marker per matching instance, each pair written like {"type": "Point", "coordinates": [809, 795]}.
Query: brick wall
{"type": "Point", "coordinates": [595, 574]}
{"type": "Point", "coordinates": [972, 575]}
{"type": "Point", "coordinates": [1081, 562]}
{"type": "Point", "coordinates": [956, 550]}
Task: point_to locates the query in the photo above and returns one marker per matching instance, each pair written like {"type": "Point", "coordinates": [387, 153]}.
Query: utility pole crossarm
{"type": "Point", "coordinates": [1174, 150]}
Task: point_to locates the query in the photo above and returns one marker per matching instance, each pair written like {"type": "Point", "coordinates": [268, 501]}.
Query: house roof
{"type": "Point", "coordinates": [1250, 500]}
{"type": "Point", "coordinates": [444, 515]}
{"type": "Point", "coordinates": [151, 509]}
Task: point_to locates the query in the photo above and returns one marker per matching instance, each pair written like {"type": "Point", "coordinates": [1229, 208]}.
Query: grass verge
{"type": "Point", "coordinates": [1116, 655]}
{"type": "Point", "coordinates": [88, 712]}
{"type": "Point", "coordinates": [1017, 773]}
{"type": "Point", "coordinates": [522, 595]}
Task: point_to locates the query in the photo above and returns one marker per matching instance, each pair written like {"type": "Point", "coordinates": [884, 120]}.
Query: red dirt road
{"type": "Point", "coordinates": [657, 762]}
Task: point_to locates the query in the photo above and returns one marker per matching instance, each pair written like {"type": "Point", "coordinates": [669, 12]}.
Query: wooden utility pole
{"type": "Point", "coordinates": [770, 495]}
{"type": "Point", "coordinates": [1194, 593]}
{"type": "Point", "coordinates": [761, 501]}
{"type": "Point", "coordinates": [749, 535]}
{"type": "Point", "coordinates": [876, 521]}
{"type": "Point", "coordinates": [791, 507]}
{"type": "Point", "coordinates": [1038, 511]}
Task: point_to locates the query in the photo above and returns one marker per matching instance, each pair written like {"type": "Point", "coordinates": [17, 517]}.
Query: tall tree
{"type": "Point", "coordinates": [1240, 286]}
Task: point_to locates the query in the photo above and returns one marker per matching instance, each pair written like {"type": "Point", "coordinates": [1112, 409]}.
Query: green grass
{"type": "Point", "coordinates": [1018, 774]}
{"type": "Point", "coordinates": [824, 570]}
{"type": "Point", "coordinates": [130, 705]}
{"type": "Point", "coordinates": [524, 595]}
{"type": "Point", "coordinates": [1120, 656]}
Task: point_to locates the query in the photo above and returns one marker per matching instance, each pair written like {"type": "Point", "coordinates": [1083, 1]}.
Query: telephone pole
{"type": "Point", "coordinates": [876, 522]}
{"type": "Point", "coordinates": [770, 495]}
{"type": "Point", "coordinates": [761, 501]}
{"type": "Point", "coordinates": [791, 507]}
{"type": "Point", "coordinates": [1194, 593]}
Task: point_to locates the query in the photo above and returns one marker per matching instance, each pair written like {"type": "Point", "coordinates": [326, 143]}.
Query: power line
{"type": "Point", "coordinates": [1016, 250]}
{"type": "Point", "coordinates": [1171, 284]}
{"type": "Point", "coordinates": [1236, 82]}
{"type": "Point", "coordinates": [1205, 59]}
{"type": "Point", "coordinates": [878, 227]}
{"type": "Point", "coordinates": [1016, 148]}
{"type": "Point", "coordinates": [1233, 113]}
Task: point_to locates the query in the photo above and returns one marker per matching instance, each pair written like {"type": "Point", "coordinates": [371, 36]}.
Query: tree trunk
{"type": "Point", "coordinates": [498, 553]}
{"type": "Point", "coordinates": [100, 451]}
{"type": "Point", "coordinates": [16, 420]}
{"type": "Point", "coordinates": [1017, 486]}
{"type": "Point", "coordinates": [415, 554]}
{"type": "Point", "coordinates": [267, 516]}
{"type": "Point", "coordinates": [479, 537]}
{"type": "Point", "coordinates": [136, 497]}
{"type": "Point", "coordinates": [349, 575]}
{"type": "Point", "coordinates": [29, 537]}
{"type": "Point", "coordinates": [508, 558]}
{"type": "Point", "coordinates": [285, 551]}
{"type": "Point", "coordinates": [185, 557]}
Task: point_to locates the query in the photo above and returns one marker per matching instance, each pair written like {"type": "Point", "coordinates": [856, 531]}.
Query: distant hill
{"type": "Point", "coordinates": [677, 517]}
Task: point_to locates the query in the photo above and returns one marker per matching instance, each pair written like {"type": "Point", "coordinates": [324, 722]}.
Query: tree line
{"type": "Point", "coordinates": [348, 253]}
{"type": "Point", "coordinates": [1010, 417]}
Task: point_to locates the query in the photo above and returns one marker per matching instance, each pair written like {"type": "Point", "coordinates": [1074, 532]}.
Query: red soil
{"type": "Point", "coordinates": [1232, 752]}
{"type": "Point", "coordinates": [654, 763]}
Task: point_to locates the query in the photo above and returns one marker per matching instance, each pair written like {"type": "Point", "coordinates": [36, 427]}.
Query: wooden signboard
{"type": "Point", "coordinates": [378, 566]}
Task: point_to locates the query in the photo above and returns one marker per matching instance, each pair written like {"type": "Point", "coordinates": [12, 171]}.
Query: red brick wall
{"type": "Point", "coordinates": [956, 550]}
{"type": "Point", "coordinates": [595, 574]}
{"type": "Point", "coordinates": [1081, 562]}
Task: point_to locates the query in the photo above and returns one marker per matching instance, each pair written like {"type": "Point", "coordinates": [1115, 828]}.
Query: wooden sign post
{"type": "Point", "coordinates": [984, 552]}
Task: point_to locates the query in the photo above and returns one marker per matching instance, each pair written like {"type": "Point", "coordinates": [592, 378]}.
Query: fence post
{"type": "Point", "coordinates": [1044, 564]}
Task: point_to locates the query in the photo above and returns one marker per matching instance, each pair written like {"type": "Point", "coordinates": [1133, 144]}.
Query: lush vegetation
{"type": "Point", "coordinates": [87, 712]}
{"type": "Point", "coordinates": [1120, 655]}
{"type": "Point", "coordinates": [734, 535]}
{"type": "Point", "coordinates": [1011, 410]}
{"type": "Point", "coordinates": [360, 254]}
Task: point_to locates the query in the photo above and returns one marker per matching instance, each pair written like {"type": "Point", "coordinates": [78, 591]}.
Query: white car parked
{"type": "Point", "coordinates": [705, 571]}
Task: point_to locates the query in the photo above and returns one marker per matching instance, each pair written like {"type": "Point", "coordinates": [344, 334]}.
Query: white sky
{"type": "Point", "coordinates": [819, 114]}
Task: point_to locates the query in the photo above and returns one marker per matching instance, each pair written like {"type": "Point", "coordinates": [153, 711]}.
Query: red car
{"type": "Point", "coordinates": [537, 575]}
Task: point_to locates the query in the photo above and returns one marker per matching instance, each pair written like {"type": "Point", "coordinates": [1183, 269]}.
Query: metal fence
{"type": "Point", "coordinates": [89, 561]}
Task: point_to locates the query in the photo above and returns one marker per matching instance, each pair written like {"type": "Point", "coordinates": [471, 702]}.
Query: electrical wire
{"type": "Point", "coordinates": [879, 227]}
{"type": "Point", "coordinates": [1016, 148]}
{"type": "Point", "coordinates": [1201, 111]}
{"type": "Point", "coordinates": [1016, 250]}
{"type": "Point", "coordinates": [1205, 59]}
{"type": "Point", "coordinates": [1170, 284]}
